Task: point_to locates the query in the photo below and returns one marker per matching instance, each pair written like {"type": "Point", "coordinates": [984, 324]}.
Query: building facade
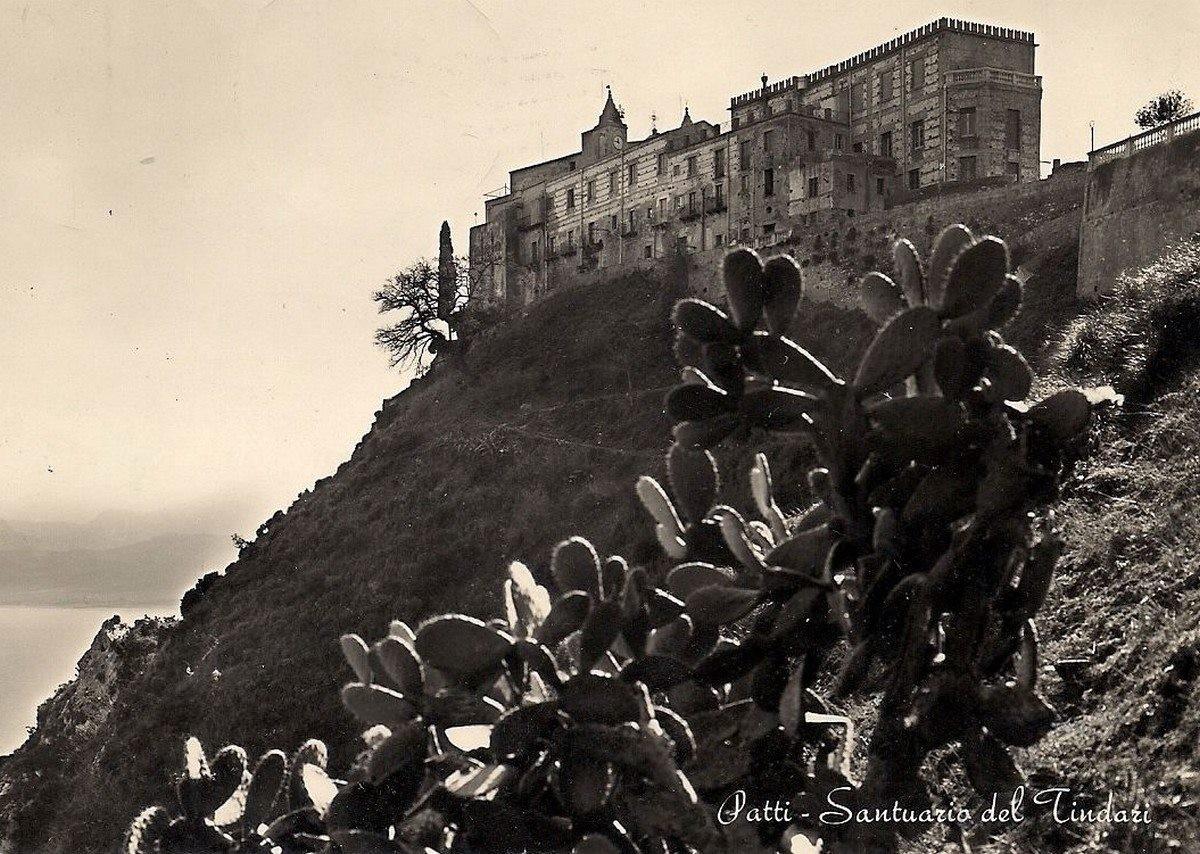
{"type": "Point", "coordinates": [952, 102]}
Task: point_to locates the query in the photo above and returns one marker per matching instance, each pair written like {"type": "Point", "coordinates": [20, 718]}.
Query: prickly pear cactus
{"type": "Point", "coordinates": [930, 547]}
{"type": "Point", "coordinates": [614, 709]}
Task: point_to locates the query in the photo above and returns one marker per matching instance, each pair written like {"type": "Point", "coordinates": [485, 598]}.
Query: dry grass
{"type": "Point", "coordinates": [460, 475]}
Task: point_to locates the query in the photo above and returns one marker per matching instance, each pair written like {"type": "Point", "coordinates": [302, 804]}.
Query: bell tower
{"type": "Point", "coordinates": [609, 135]}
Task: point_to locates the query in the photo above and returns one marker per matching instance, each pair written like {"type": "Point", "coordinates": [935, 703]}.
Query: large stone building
{"type": "Point", "coordinates": [952, 102]}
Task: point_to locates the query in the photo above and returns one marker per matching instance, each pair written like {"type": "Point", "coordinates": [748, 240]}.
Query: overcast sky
{"type": "Point", "coordinates": [197, 198]}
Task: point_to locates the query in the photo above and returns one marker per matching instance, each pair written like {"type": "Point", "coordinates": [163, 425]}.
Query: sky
{"type": "Point", "coordinates": [197, 198]}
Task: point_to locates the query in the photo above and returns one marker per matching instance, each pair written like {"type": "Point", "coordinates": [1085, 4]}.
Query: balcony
{"type": "Point", "coordinates": [690, 214]}
{"type": "Point", "coordinates": [628, 232]}
{"type": "Point", "coordinates": [715, 206]}
{"type": "Point", "coordinates": [1146, 139]}
{"type": "Point", "coordinates": [994, 77]}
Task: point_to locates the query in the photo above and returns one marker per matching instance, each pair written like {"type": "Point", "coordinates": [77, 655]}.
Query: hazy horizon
{"type": "Point", "coordinates": [199, 198]}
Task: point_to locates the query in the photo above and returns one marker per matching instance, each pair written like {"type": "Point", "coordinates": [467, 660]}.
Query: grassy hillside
{"type": "Point", "coordinates": [1122, 628]}
{"type": "Point", "coordinates": [542, 437]}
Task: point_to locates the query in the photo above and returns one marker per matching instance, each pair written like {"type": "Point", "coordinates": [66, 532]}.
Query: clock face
{"type": "Point", "coordinates": [616, 144]}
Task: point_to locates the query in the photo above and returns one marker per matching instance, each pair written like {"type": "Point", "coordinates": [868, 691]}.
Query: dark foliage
{"type": "Point", "coordinates": [567, 725]}
{"type": "Point", "coordinates": [1163, 108]}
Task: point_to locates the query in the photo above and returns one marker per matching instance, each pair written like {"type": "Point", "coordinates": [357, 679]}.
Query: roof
{"type": "Point", "coordinates": [610, 114]}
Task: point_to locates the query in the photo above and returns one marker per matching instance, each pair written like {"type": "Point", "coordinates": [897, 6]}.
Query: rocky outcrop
{"type": "Point", "coordinates": [73, 718]}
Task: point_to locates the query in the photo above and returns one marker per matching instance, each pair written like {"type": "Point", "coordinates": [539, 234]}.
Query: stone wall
{"type": "Point", "coordinates": [1034, 218]}
{"type": "Point", "coordinates": [1135, 206]}
{"type": "Point", "coordinates": [835, 248]}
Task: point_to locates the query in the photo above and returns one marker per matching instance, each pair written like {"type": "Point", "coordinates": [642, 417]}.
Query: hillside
{"type": "Point", "coordinates": [542, 437]}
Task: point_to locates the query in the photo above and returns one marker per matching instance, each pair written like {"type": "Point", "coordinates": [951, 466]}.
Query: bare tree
{"type": "Point", "coordinates": [436, 304]}
{"type": "Point", "coordinates": [1163, 108]}
{"type": "Point", "coordinates": [420, 332]}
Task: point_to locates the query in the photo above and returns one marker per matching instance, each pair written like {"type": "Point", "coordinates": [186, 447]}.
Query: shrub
{"type": "Point", "coordinates": [589, 719]}
{"type": "Point", "coordinates": [1140, 337]}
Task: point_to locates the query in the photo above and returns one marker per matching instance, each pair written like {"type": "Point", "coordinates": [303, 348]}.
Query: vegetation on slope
{"type": "Point", "coordinates": [1123, 630]}
{"type": "Point", "coordinates": [455, 479]}
{"type": "Point", "coordinates": [931, 493]}
{"type": "Point", "coordinates": [576, 414]}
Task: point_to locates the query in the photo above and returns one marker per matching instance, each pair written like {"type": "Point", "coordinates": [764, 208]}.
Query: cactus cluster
{"type": "Point", "coordinates": [228, 807]}
{"type": "Point", "coordinates": [572, 723]}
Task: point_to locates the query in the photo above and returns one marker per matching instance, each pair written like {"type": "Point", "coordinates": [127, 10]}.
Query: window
{"type": "Point", "coordinates": [769, 142]}
{"type": "Point", "coordinates": [591, 192]}
{"type": "Point", "coordinates": [662, 209]}
{"type": "Point", "coordinates": [966, 122]}
{"type": "Point", "coordinates": [737, 122]}
{"type": "Point", "coordinates": [571, 238]}
{"type": "Point", "coordinates": [745, 234]}
{"type": "Point", "coordinates": [648, 251]}
{"type": "Point", "coordinates": [1012, 130]}
{"type": "Point", "coordinates": [719, 163]}
{"type": "Point", "coordinates": [719, 193]}
{"type": "Point", "coordinates": [679, 202]}
{"type": "Point", "coordinates": [570, 198]}
{"type": "Point", "coordinates": [612, 182]}
{"type": "Point", "coordinates": [858, 97]}
{"type": "Point", "coordinates": [885, 86]}
{"type": "Point", "coordinates": [1012, 167]}
{"type": "Point", "coordinates": [675, 169]}
{"type": "Point", "coordinates": [591, 233]}
{"type": "Point", "coordinates": [572, 165]}
{"type": "Point", "coordinates": [744, 154]}
{"type": "Point", "coordinates": [534, 258]}
{"type": "Point", "coordinates": [813, 187]}
{"type": "Point", "coordinates": [916, 74]}
{"type": "Point", "coordinates": [885, 143]}
{"type": "Point", "coordinates": [812, 141]}
{"type": "Point", "coordinates": [550, 245]}
{"type": "Point", "coordinates": [692, 202]}
{"type": "Point", "coordinates": [849, 182]}
{"type": "Point", "coordinates": [745, 183]}
{"type": "Point", "coordinates": [968, 169]}
{"type": "Point", "coordinates": [632, 219]}
{"type": "Point", "coordinates": [661, 164]}
{"type": "Point", "coordinates": [879, 186]}
{"type": "Point", "coordinates": [768, 182]}
{"type": "Point", "coordinates": [916, 135]}
{"type": "Point", "coordinates": [631, 174]}
{"type": "Point", "coordinates": [769, 228]}
{"type": "Point", "coordinates": [691, 164]}
{"type": "Point", "coordinates": [914, 179]}
{"type": "Point", "coordinates": [718, 240]}
{"type": "Point", "coordinates": [837, 141]}
{"type": "Point", "coordinates": [649, 213]}
{"type": "Point", "coordinates": [612, 222]}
